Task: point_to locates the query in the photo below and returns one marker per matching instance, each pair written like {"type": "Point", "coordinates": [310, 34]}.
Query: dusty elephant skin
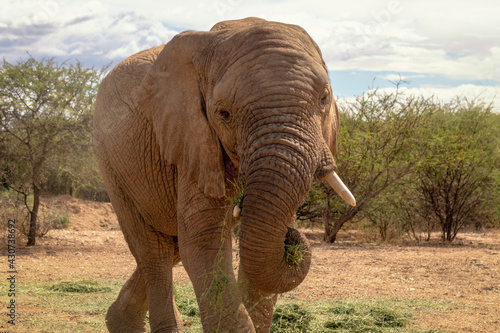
{"type": "Point", "coordinates": [174, 127]}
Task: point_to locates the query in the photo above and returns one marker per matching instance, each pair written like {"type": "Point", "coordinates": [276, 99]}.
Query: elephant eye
{"type": "Point", "coordinates": [325, 98]}
{"type": "Point", "coordinates": [324, 101]}
{"type": "Point", "coordinates": [224, 114]}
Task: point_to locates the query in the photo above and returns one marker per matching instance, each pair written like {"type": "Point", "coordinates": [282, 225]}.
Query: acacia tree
{"type": "Point", "coordinates": [380, 142]}
{"type": "Point", "coordinates": [456, 178]}
{"type": "Point", "coordinates": [45, 115]}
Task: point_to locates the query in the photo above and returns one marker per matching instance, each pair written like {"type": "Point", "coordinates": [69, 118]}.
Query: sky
{"type": "Point", "coordinates": [441, 48]}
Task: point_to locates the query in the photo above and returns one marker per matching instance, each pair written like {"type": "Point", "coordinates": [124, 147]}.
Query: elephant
{"type": "Point", "coordinates": [178, 129]}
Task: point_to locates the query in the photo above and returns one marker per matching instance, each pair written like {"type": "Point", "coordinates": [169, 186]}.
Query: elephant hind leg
{"type": "Point", "coordinates": [128, 312]}
{"type": "Point", "coordinates": [151, 285]}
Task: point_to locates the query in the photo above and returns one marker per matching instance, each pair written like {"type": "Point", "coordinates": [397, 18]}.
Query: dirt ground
{"type": "Point", "coordinates": [464, 274]}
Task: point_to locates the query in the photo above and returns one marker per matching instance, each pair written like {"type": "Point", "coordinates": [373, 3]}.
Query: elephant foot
{"type": "Point", "coordinates": [118, 322]}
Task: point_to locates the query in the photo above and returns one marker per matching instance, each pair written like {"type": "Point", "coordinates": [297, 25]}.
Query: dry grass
{"type": "Point", "coordinates": [460, 280]}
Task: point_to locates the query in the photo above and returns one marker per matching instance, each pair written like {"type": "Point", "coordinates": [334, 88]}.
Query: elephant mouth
{"type": "Point", "coordinates": [230, 170]}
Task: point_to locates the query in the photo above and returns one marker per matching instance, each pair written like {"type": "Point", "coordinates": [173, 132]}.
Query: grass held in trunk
{"type": "Point", "coordinates": [294, 254]}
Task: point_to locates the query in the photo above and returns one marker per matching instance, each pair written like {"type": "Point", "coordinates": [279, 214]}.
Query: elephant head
{"type": "Point", "coordinates": [252, 96]}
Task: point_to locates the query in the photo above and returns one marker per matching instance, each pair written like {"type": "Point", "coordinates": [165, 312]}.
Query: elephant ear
{"type": "Point", "coordinates": [171, 98]}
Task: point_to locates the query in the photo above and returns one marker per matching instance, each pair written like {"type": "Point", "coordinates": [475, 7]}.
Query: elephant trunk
{"type": "Point", "coordinates": [274, 256]}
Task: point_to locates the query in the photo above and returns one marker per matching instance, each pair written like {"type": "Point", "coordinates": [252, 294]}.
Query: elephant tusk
{"type": "Point", "coordinates": [338, 186]}
{"type": "Point", "coordinates": [236, 212]}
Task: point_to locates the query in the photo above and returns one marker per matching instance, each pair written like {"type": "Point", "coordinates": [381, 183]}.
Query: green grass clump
{"type": "Point", "coordinates": [188, 307]}
{"type": "Point", "coordinates": [290, 318]}
{"type": "Point", "coordinates": [294, 254]}
{"type": "Point", "coordinates": [387, 317]}
{"type": "Point", "coordinates": [186, 301]}
{"type": "Point", "coordinates": [79, 286]}
{"type": "Point", "coordinates": [343, 309]}
{"type": "Point", "coordinates": [364, 318]}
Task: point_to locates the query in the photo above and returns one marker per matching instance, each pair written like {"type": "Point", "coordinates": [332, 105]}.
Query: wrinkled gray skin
{"type": "Point", "coordinates": [173, 127]}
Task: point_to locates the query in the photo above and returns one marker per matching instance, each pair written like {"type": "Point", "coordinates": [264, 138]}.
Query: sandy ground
{"type": "Point", "coordinates": [464, 274]}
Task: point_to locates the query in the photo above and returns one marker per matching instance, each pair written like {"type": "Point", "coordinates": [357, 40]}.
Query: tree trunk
{"type": "Point", "coordinates": [331, 236]}
{"type": "Point", "coordinates": [331, 233]}
{"type": "Point", "coordinates": [326, 213]}
{"type": "Point", "coordinates": [34, 216]}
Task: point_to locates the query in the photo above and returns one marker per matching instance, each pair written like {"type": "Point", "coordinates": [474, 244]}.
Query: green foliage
{"type": "Point", "coordinates": [455, 177]}
{"type": "Point", "coordinates": [46, 114]}
{"type": "Point", "coordinates": [494, 221]}
{"type": "Point", "coordinates": [79, 177]}
{"type": "Point", "coordinates": [428, 164]}
{"type": "Point", "coordinates": [45, 125]}
{"type": "Point", "coordinates": [80, 286]}
{"type": "Point", "coordinates": [453, 186]}
{"type": "Point", "coordinates": [88, 182]}
{"type": "Point", "coordinates": [379, 141]}
{"type": "Point", "coordinates": [309, 212]}
{"type": "Point", "coordinates": [291, 318]}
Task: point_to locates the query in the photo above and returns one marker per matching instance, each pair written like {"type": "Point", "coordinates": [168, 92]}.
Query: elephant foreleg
{"type": "Point", "coordinates": [258, 304]}
{"type": "Point", "coordinates": [206, 253]}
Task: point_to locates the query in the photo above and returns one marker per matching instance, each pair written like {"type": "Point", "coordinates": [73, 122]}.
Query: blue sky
{"type": "Point", "coordinates": [440, 47]}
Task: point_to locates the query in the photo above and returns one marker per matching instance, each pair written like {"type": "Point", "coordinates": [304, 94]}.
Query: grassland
{"type": "Point", "coordinates": [80, 306]}
{"type": "Point", "coordinates": [68, 280]}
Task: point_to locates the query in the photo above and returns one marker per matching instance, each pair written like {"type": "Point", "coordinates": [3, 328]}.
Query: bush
{"type": "Point", "coordinates": [92, 193]}
{"type": "Point", "coordinates": [59, 220]}
{"type": "Point", "coordinates": [48, 219]}
{"type": "Point", "coordinates": [11, 208]}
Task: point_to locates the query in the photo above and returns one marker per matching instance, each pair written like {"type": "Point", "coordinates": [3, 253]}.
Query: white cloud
{"type": "Point", "coordinates": [398, 77]}
{"type": "Point", "coordinates": [458, 40]}
{"type": "Point", "coordinates": [405, 58]}
{"type": "Point", "coordinates": [75, 30]}
{"type": "Point", "coordinates": [488, 94]}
